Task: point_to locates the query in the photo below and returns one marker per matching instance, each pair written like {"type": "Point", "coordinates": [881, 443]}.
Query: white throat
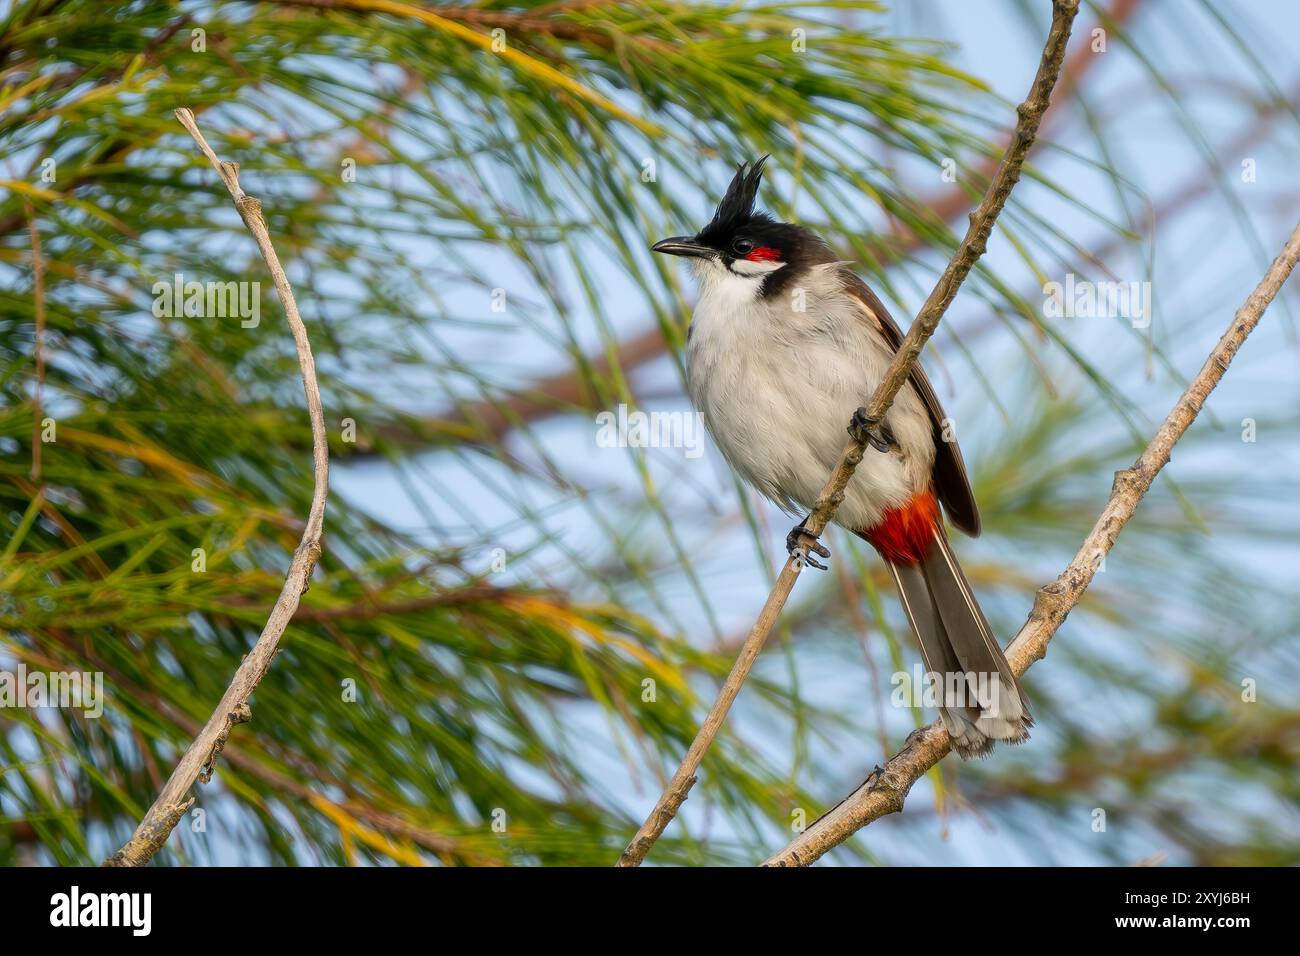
{"type": "Point", "coordinates": [729, 287]}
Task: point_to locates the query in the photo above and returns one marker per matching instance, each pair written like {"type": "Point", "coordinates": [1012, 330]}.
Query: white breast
{"type": "Point", "coordinates": [777, 386]}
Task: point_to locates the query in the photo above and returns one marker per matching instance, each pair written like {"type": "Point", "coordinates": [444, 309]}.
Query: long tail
{"type": "Point", "coordinates": [980, 700]}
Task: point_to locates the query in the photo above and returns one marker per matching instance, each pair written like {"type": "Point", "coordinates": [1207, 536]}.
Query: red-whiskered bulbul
{"type": "Point", "coordinates": [785, 347]}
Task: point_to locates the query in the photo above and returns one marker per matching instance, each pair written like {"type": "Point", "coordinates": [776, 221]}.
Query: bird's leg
{"type": "Point", "coordinates": [800, 541]}
{"type": "Point", "coordinates": [869, 431]}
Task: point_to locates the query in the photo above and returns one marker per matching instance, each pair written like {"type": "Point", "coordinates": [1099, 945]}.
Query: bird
{"type": "Point", "coordinates": [785, 346]}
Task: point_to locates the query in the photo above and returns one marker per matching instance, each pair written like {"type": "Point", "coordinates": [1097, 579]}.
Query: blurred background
{"type": "Point", "coordinates": [515, 629]}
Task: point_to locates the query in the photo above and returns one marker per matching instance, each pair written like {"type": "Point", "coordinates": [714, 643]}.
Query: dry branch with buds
{"type": "Point", "coordinates": [173, 801]}
{"type": "Point", "coordinates": [886, 789]}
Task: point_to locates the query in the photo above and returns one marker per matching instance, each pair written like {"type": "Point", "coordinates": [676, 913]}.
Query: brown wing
{"type": "Point", "coordinates": [950, 481]}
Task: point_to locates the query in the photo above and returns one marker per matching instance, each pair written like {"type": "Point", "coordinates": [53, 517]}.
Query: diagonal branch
{"type": "Point", "coordinates": [886, 789]}
{"type": "Point", "coordinates": [162, 817]}
{"type": "Point", "coordinates": [1029, 114]}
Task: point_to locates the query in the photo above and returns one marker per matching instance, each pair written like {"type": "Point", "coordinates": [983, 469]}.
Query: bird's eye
{"type": "Point", "coordinates": [742, 247]}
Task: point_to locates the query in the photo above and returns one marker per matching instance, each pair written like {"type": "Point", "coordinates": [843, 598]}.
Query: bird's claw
{"type": "Point", "coordinates": [800, 541]}
{"type": "Point", "coordinates": [868, 431]}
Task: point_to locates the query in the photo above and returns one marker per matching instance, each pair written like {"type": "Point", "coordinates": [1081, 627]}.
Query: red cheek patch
{"type": "Point", "coordinates": [764, 254]}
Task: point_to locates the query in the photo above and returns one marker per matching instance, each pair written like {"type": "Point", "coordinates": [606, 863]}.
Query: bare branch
{"type": "Point", "coordinates": [1030, 114]}
{"type": "Point", "coordinates": [886, 789]}
{"type": "Point", "coordinates": [172, 802]}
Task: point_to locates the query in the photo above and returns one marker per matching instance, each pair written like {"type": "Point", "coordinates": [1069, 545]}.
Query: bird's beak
{"type": "Point", "coordinates": [682, 246]}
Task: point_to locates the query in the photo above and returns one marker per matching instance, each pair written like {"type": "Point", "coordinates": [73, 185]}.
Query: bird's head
{"type": "Point", "coordinates": [746, 248]}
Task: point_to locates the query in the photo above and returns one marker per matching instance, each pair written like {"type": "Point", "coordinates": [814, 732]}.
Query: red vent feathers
{"type": "Point", "coordinates": [905, 534]}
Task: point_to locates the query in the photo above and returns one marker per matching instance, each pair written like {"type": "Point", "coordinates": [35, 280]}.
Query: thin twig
{"type": "Point", "coordinates": [886, 789]}
{"type": "Point", "coordinates": [172, 802]}
{"type": "Point", "coordinates": [1030, 114]}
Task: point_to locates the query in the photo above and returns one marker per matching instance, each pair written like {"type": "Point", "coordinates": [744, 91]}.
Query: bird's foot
{"type": "Point", "coordinates": [800, 541]}
{"type": "Point", "coordinates": [869, 431]}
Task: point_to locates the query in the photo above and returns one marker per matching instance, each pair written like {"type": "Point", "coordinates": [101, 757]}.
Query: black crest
{"type": "Point", "coordinates": [737, 206]}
